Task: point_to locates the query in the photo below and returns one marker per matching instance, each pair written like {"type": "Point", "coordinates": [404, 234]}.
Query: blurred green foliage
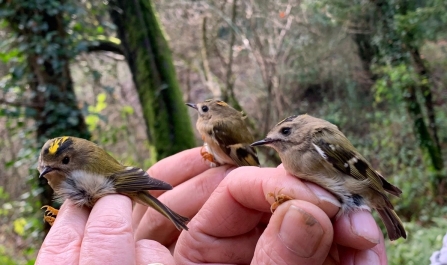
{"type": "Point", "coordinates": [94, 115]}
{"type": "Point", "coordinates": [421, 242]}
{"type": "Point", "coordinates": [37, 103]}
{"type": "Point", "coordinates": [20, 216]}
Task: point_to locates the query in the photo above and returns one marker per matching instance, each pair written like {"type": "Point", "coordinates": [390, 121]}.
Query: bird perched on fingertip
{"type": "Point", "coordinates": [225, 134]}
{"type": "Point", "coordinates": [317, 151]}
{"type": "Point", "coordinates": [83, 172]}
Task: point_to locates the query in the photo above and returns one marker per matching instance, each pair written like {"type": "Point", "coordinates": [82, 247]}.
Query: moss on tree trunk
{"type": "Point", "coordinates": [147, 51]}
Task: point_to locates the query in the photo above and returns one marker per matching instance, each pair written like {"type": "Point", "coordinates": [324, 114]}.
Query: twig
{"type": "Point", "coordinates": [229, 82]}
{"type": "Point", "coordinates": [206, 66]}
{"type": "Point", "coordinates": [106, 46]}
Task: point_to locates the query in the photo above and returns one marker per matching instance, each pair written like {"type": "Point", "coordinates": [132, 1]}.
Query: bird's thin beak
{"type": "Point", "coordinates": [194, 106]}
{"type": "Point", "coordinates": [263, 142]}
{"type": "Point", "coordinates": [45, 171]}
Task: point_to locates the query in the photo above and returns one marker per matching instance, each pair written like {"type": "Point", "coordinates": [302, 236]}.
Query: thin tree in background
{"type": "Point", "coordinates": [397, 50]}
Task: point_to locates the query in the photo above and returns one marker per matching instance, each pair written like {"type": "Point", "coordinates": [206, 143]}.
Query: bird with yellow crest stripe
{"type": "Point", "coordinates": [225, 133]}
{"type": "Point", "coordinates": [83, 172]}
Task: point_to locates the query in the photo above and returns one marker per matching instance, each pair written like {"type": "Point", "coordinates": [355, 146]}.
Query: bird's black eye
{"type": "Point", "coordinates": [66, 160]}
{"type": "Point", "coordinates": [286, 131]}
{"type": "Point", "coordinates": [204, 108]}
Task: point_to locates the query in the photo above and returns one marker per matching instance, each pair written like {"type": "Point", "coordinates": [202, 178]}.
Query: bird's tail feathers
{"type": "Point", "coordinates": [392, 223]}
{"type": "Point", "coordinates": [149, 200]}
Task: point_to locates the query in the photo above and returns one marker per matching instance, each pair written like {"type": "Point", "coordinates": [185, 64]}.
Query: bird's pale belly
{"type": "Point", "coordinates": [340, 187]}
{"type": "Point", "coordinates": [84, 189]}
{"type": "Point", "coordinates": [219, 155]}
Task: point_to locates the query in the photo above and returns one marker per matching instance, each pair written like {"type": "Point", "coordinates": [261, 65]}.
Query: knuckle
{"type": "Point", "coordinates": [61, 244]}
{"type": "Point", "coordinates": [109, 224]}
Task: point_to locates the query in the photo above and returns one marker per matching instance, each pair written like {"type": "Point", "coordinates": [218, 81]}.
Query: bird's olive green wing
{"type": "Point", "coordinates": [347, 160]}
{"type": "Point", "coordinates": [236, 142]}
{"type": "Point", "coordinates": [132, 179]}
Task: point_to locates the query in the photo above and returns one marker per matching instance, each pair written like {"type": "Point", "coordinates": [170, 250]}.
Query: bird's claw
{"type": "Point", "coordinates": [50, 214]}
{"type": "Point", "coordinates": [208, 157]}
{"type": "Point", "coordinates": [279, 199]}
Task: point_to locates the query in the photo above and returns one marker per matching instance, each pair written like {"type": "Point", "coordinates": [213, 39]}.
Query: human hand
{"type": "Point", "coordinates": [106, 235]}
{"type": "Point", "coordinates": [239, 199]}
{"type": "Point", "coordinates": [193, 181]}
{"type": "Point", "coordinates": [235, 225]}
{"type": "Point", "coordinates": [103, 235]}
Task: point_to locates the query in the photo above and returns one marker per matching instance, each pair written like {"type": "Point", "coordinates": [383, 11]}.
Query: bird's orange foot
{"type": "Point", "coordinates": [279, 199]}
{"type": "Point", "coordinates": [208, 157]}
{"type": "Point", "coordinates": [50, 214]}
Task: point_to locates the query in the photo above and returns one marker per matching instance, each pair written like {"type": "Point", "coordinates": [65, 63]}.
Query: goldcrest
{"type": "Point", "coordinates": [225, 134]}
{"type": "Point", "coordinates": [83, 172]}
{"type": "Point", "coordinates": [316, 151]}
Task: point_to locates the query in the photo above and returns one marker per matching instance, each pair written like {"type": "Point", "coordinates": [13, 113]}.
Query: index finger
{"type": "Point", "coordinates": [231, 221]}
{"type": "Point", "coordinates": [241, 199]}
{"type": "Point", "coordinates": [174, 170]}
{"type": "Point", "coordinates": [180, 167]}
{"type": "Point", "coordinates": [250, 187]}
{"type": "Point", "coordinates": [108, 236]}
{"type": "Point", "coordinates": [63, 243]}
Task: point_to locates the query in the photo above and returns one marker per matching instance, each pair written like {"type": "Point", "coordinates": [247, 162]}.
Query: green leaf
{"type": "Point", "coordinates": [127, 110]}
{"type": "Point", "coordinates": [101, 97]}
{"type": "Point", "coordinates": [19, 226]}
{"type": "Point", "coordinates": [91, 121]}
{"type": "Point", "coordinates": [10, 55]}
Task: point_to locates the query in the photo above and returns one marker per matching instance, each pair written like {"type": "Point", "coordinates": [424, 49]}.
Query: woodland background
{"type": "Point", "coordinates": [119, 72]}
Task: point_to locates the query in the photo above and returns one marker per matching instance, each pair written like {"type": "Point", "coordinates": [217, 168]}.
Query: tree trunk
{"type": "Point", "coordinates": [429, 105]}
{"type": "Point", "coordinates": [169, 128]}
{"type": "Point", "coordinates": [366, 50]}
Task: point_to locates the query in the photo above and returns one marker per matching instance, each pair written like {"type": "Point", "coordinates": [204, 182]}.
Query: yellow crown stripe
{"type": "Point", "coordinates": [290, 118]}
{"type": "Point", "coordinates": [56, 144]}
{"type": "Point", "coordinates": [222, 103]}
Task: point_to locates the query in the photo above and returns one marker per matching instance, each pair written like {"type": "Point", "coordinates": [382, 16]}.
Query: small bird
{"type": "Point", "coordinates": [317, 151]}
{"type": "Point", "coordinates": [83, 172]}
{"type": "Point", "coordinates": [226, 136]}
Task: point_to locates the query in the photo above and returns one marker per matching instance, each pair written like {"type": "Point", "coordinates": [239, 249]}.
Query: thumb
{"type": "Point", "coordinates": [298, 233]}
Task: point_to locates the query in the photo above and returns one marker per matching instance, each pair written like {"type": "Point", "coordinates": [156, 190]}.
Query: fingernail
{"type": "Point", "coordinates": [366, 257]}
{"type": "Point", "coordinates": [323, 195]}
{"type": "Point", "coordinates": [310, 230]}
{"type": "Point", "coordinates": [363, 225]}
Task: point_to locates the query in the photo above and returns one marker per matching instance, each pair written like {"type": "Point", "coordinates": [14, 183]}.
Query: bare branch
{"type": "Point", "coordinates": [283, 32]}
{"type": "Point", "coordinates": [206, 67]}
{"type": "Point", "coordinates": [229, 80]}
{"type": "Point", "coordinates": [106, 46]}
